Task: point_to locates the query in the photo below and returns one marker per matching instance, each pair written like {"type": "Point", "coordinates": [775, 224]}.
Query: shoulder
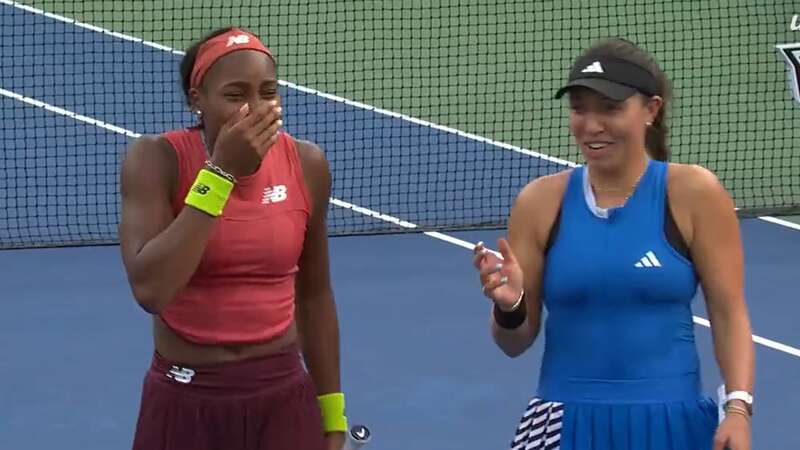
{"type": "Point", "coordinates": [545, 191]}
{"type": "Point", "coordinates": [150, 153]}
{"type": "Point", "coordinates": [692, 176]}
{"type": "Point", "coordinates": [316, 172]}
{"type": "Point", "coordinates": [310, 154]}
{"type": "Point", "coordinates": [537, 205]}
{"type": "Point", "coordinates": [694, 183]}
{"type": "Point", "coordinates": [149, 143]}
{"type": "Point", "coordinates": [150, 168]}
{"type": "Point", "coordinates": [697, 196]}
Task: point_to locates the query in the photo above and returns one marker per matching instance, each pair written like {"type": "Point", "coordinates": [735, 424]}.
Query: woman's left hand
{"type": "Point", "coordinates": [335, 441]}
{"type": "Point", "coordinates": [733, 433]}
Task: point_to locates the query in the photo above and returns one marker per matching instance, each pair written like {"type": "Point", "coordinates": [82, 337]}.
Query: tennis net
{"type": "Point", "coordinates": [432, 114]}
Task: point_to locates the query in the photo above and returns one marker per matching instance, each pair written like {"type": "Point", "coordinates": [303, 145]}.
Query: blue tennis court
{"type": "Point", "coordinates": [418, 364]}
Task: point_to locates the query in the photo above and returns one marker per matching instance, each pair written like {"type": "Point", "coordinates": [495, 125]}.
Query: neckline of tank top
{"type": "Point", "coordinates": [591, 199]}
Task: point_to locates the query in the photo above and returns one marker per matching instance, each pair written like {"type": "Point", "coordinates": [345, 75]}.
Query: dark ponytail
{"type": "Point", "coordinates": [656, 134]}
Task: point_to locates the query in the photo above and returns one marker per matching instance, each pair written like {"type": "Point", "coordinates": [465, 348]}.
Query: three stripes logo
{"type": "Point", "coordinates": [648, 260]}
{"type": "Point", "coordinates": [593, 67]}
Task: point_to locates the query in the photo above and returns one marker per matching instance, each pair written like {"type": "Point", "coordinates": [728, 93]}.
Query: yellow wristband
{"type": "Point", "coordinates": [209, 193]}
{"type": "Point", "coordinates": [332, 408]}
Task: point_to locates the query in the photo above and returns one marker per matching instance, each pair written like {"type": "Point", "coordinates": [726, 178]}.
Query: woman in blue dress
{"type": "Point", "coordinates": [615, 250]}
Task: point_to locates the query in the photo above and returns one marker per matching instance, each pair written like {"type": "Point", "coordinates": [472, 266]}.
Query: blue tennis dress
{"type": "Point", "coordinates": [620, 369]}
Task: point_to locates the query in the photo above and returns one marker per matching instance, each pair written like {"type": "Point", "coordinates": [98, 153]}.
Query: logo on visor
{"type": "Point", "coordinates": [239, 39]}
{"type": "Point", "coordinates": [593, 67]}
{"type": "Point", "coordinates": [791, 53]}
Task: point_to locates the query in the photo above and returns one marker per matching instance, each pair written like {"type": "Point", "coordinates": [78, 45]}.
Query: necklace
{"type": "Point", "coordinates": [626, 191]}
{"type": "Point", "coordinates": [203, 139]}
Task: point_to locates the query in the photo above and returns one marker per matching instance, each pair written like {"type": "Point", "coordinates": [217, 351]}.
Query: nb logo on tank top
{"type": "Point", "coordinates": [181, 374]}
{"type": "Point", "coordinates": [274, 194]}
{"type": "Point", "coordinates": [239, 39]}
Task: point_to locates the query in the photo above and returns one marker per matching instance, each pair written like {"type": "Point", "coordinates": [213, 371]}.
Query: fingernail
{"type": "Point", "coordinates": [274, 103]}
{"type": "Point", "coordinates": [498, 266]}
{"type": "Point", "coordinates": [503, 280]}
{"type": "Point", "coordinates": [280, 123]}
{"type": "Point", "coordinates": [480, 244]}
{"type": "Point", "coordinates": [245, 107]}
{"type": "Point", "coordinates": [278, 109]}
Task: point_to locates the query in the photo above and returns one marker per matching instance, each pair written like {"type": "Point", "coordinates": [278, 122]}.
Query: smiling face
{"type": "Point", "coordinates": [245, 76]}
{"type": "Point", "coordinates": [609, 132]}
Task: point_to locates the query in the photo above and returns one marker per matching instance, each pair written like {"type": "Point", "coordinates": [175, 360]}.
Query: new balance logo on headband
{"type": "Point", "coordinates": [239, 39]}
{"type": "Point", "coordinates": [648, 260]}
{"type": "Point", "coordinates": [593, 67]}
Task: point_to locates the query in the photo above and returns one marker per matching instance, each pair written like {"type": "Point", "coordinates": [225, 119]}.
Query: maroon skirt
{"type": "Point", "coordinates": [266, 403]}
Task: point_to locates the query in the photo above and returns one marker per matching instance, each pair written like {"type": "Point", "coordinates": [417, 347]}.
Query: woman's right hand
{"type": "Point", "coordinates": [246, 137]}
{"type": "Point", "coordinates": [501, 279]}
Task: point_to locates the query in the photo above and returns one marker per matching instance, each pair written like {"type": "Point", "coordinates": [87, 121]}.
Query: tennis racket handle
{"type": "Point", "coordinates": [358, 437]}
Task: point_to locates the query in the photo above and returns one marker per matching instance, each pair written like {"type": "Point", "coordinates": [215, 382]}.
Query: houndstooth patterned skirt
{"type": "Point", "coordinates": [540, 427]}
{"type": "Point", "coordinates": [679, 425]}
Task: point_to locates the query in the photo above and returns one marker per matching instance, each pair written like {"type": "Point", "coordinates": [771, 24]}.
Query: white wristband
{"type": "Point", "coordinates": [740, 395]}
{"type": "Point", "coordinates": [744, 396]}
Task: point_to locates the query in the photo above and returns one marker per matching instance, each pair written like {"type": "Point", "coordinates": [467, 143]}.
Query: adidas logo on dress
{"type": "Point", "coordinates": [648, 260]}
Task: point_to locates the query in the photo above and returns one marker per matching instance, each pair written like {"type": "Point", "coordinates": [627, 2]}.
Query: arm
{"type": "Point", "coordinates": [530, 221]}
{"type": "Point", "coordinates": [316, 310]}
{"type": "Point", "coordinates": [716, 248]}
{"type": "Point", "coordinates": [160, 251]}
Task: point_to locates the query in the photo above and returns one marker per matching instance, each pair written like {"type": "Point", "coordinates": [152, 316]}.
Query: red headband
{"type": "Point", "coordinates": [219, 46]}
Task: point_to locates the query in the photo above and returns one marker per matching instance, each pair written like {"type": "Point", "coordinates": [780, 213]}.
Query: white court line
{"type": "Point", "coordinates": [782, 222]}
{"type": "Point", "coordinates": [64, 112]}
{"type": "Point", "coordinates": [304, 89]}
{"type": "Point", "coordinates": [775, 345]}
{"type": "Point", "coordinates": [371, 213]}
{"type": "Point", "coordinates": [87, 26]}
{"type": "Point", "coordinates": [338, 99]}
{"type": "Point", "coordinates": [337, 202]}
{"type": "Point", "coordinates": [758, 339]}
{"type": "Point", "coordinates": [343, 204]}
